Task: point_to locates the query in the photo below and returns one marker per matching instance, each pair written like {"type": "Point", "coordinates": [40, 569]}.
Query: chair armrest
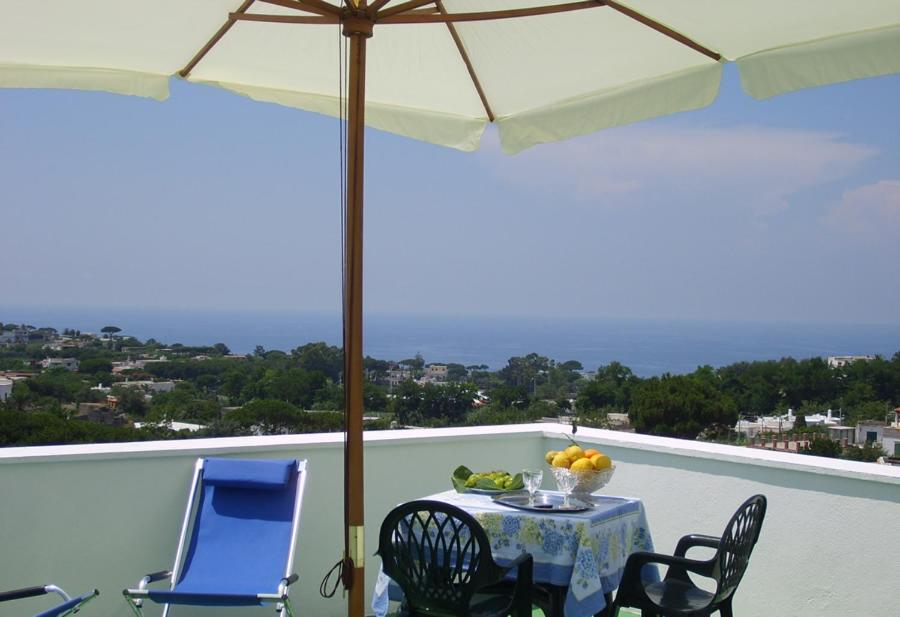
{"type": "Point", "coordinates": [135, 595]}
{"type": "Point", "coordinates": [636, 561]}
{"type": "Point", "coordinates": [631, 587]}
{"type": "Point", "coordinates": [283, 584]}
{"type": "Point", "coordinates": [153, 577]}
{"type": "Point", "coordinates": [693, 540]}
{"type": "Point", "coordinates": [25, 592]}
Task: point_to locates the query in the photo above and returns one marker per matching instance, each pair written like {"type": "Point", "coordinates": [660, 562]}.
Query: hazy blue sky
{"type": "Point", "coordinates": [787, 209]}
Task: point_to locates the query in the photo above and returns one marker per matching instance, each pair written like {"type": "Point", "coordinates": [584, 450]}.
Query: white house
{"type": "Point", "coordinates": [874, 431]}
{"type": "Point", "coordinates": [13, 337]}
{"type": "Point", "coordinates": [149, 386]}
{"type": "Point", "coordinates": [6, 386]}
{"type": "Point", "coordinates": [890, 441]}
{"type": "Point", "coordinates": [839, 361]}
{"type": "Point", "coordinates": [70, 364]}
{"type": "Point", "coordinates": [435, 373]}
{"type": "Point", "coordinates": [766, 424]}
{"type": "Point", "coordinates": [397, 376]}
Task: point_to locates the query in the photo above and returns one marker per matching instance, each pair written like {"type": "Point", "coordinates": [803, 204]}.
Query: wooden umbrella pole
{"type": "Point", "coordinates": [358, 30]}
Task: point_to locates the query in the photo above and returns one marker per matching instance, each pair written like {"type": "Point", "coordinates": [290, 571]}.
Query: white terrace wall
{"type": "Point", "coordinates": [103, 515]}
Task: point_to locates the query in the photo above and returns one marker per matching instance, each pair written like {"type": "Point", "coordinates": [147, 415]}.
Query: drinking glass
{"type": "Point", "coordinates": [566, 480]}
{"type": "Point", "coordinates": [533, 479]}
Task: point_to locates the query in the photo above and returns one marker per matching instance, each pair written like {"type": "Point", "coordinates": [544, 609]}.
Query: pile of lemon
{"type": "Point", "coordinates": [577, 459]}
{"type": "Point", "coordinates": [501, 479]}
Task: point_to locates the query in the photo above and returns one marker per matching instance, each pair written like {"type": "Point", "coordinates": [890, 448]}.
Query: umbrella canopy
{"type": "Point", "coordinates": [439, 71]}
{"type": "Point", "coordinates": [542, 78]}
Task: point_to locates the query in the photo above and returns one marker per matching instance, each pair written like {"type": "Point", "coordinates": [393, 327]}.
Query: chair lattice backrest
{"type": "Point", "coordinates": [737, 543]}
{"type": "Point", "coordinates": [438, 554]}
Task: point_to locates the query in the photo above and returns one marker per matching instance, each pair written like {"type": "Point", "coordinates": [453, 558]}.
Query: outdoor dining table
{"type": "Point", "coordinates": [579, 555]}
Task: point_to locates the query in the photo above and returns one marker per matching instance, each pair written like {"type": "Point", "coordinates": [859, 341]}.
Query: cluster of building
{"type": "Point", "coordinates": [50, 338]}
{"type": "Point", "coordinates": [431, 374]}
{"type": "Point", "coordinates": [778, 432]}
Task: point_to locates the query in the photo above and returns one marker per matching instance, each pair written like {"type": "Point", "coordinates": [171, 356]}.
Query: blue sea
{"type": "Point", "coordinates": [647, 347]}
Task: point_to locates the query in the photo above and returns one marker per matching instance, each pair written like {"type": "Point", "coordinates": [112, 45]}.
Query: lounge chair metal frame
{"type": "Point", "coordinates": [69, 604]}
{"type": "Point", "coordinates": [135, 597]}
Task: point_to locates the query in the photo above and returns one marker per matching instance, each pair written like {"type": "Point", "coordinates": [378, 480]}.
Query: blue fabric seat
{"type": "Point", "coordinates": [67, 607]}
{"type": "Point", "coordinates": [237, 549]}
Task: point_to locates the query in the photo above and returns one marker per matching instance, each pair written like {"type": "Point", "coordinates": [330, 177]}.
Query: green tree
{"type": "Point", "coordinates": [610, 387]}
{"type": "Point", "coordinates": [61, 385]}
{"type": "Point", "coordinates": [869, 452]}
{"type": "Point", "coordinates": [506, 397]}
{"type": "Point", "coordinates": [110, 330]}
{"type": "Point", "coordinates": [183, 403]}
{"type": "Point", "coordinates": [295, 386]}
{"type": "Point", "coordinates": [822, 446]}
{"type": "Point", "coordinates": [90, 366]}
{"type": "Point", "coordinates": [131, 401]}
{"type": "Point", "coordinates": [374, 397]}
{"type": "Point", "coordinates": [869, 410]}
{"type": "Point", "coordinates": [447, 403]}
{"type": "Point", "coordinates": [679, 406]}
{"type": "Point", "coordinates": [524, 370]}
{"type": "Point", "coordinates": [321, 357]}
{"type": "Point", "coordinates": [596, 394]}
{"type": "Point", "coordinates": [233, 383]}
{"type": "Point", "coordinates": [330, 397]}
{"type": "Point", "coordinates": [414, 364]}
{"type": "Point", "coordinates": [377, 370]}
{"type": "Point", "coordinates": [267, 417]}
{"type": "Point", "coordinates": [407, 403]}
{"type": "Point", "coordinates": [456, 372]}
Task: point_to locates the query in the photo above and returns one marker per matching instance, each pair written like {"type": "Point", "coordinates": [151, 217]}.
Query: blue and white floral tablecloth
{"type": "Point", "coordinates": [584, 551]}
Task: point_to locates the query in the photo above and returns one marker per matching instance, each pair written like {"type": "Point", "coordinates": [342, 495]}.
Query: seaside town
{"type": "Point", "coordinates": [74, 387]}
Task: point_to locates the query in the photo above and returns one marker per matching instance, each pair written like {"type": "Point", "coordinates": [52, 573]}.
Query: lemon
{"type": "Point", "coordinates": [550, 456]}
{"type": "Point", "coordinates": [560, 460]}
{"type": "Point", "coordinates": [582, 464]}
{"type": "Point", "coordinates": [590, 452]}
{"type": "Point", "coordinates": [601, 462]}
{"type": "Point", "coordinates": [574, 453]}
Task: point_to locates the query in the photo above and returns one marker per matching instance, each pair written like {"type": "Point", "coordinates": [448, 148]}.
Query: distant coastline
{"type": "Point", "coordinates": [647, 347]}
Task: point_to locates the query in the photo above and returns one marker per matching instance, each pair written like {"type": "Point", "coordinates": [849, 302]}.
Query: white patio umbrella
{"type": "Point", "coordinates": [439, 71]}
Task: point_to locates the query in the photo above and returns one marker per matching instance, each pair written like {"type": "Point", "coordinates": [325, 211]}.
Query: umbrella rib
{"type": "Point", "coordinates": [319, 8]}
{"type": "Point", "coordinates": [468, 63]}
{"type": "Point", "coordinates": [402, 8]}
{"type": "Point", "coordinates": [425, 18]}
{"type": "Point", "coordinates": [376, 6]}
{"type": "Point", "coordinates": [286, 19]}
{"type": "Point", "coordinates": [663, 30]}
{"type": "Point", "coordinates": [215, 39]}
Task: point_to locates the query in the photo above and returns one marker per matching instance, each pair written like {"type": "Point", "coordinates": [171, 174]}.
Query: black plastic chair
{"type": "Point", "coordinates": [677, 594]}
{"type": "Point", "coordinates": [441, 558]}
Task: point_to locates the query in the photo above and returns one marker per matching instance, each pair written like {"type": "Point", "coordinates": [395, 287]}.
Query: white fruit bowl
{"type": "Point", "coordinates": [587, 481]}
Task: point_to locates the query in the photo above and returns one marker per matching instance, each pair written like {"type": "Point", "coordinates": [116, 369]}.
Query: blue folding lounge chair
{"type": "Point", "coordinates": [237, 540]}
{"type": "Point", "coordinates": [69, 605]}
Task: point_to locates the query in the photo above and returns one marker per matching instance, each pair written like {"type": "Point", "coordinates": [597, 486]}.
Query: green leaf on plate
{"type": "Point", "coordinates": [459, 477]}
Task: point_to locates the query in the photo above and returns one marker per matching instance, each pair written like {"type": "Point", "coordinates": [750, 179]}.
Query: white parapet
{"type": "Point", "coordinates": [104, 515]}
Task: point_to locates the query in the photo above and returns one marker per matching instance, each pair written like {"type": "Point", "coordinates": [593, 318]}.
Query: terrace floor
{"type": "Point", "coordinates": [539, 613]}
